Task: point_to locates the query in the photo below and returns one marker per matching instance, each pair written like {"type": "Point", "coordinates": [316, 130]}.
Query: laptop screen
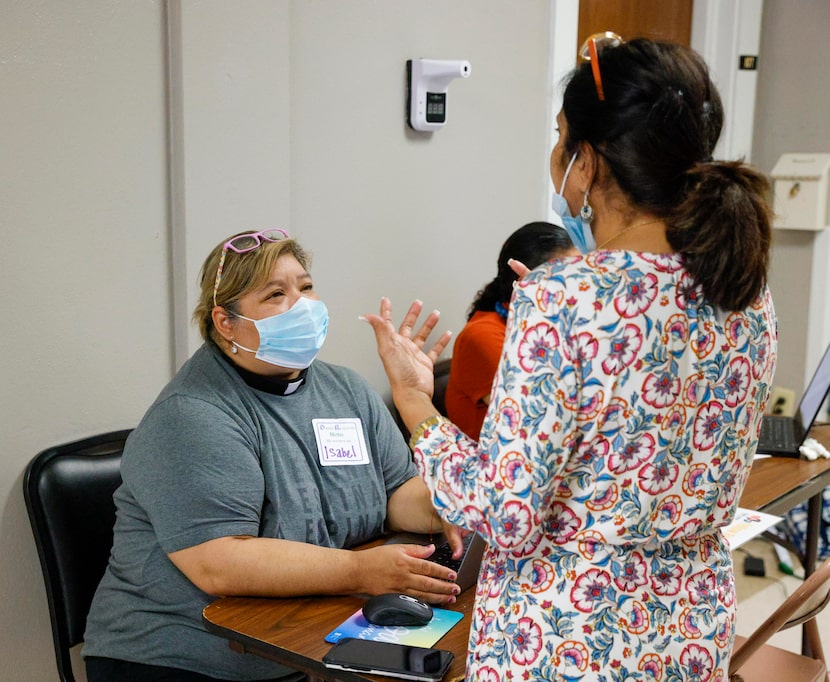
{"type": "Point", "coordinates": [815, 394]}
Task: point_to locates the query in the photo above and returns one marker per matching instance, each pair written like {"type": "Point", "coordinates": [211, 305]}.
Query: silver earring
{"type": "Point", "coordinates": [586, 213]}
{"type": "Point", "coordinates": [234, 349]}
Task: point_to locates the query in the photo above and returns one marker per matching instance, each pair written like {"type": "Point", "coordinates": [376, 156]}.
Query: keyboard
{"type": "Point", "coordinates": [443, 554]}
{"type": "Point", "coordinates": [777, 431]}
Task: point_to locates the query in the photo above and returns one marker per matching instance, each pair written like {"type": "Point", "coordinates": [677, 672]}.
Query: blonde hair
{"type": "Point", "coordinates": [241, 273]}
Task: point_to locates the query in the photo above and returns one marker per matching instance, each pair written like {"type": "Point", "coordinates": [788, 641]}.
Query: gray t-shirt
{"type": "Point", "coordinates": [214, 457]}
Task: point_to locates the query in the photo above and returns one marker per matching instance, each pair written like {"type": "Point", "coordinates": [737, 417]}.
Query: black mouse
{"type": "Point", "coordinates": [396, 609]}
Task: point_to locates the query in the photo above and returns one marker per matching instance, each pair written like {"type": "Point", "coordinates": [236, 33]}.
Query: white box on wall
{"type": "Point", "coordinates": [801, 184]}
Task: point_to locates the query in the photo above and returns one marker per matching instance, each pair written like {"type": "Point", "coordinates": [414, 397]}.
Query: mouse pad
{"type": "Point", "coordinates": [424, 635]}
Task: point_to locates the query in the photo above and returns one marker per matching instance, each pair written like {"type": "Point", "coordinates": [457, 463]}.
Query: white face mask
{"type": "Point", "coordinates": [294, 338]}
{"type": "Point", "coordinates": [578, 229]}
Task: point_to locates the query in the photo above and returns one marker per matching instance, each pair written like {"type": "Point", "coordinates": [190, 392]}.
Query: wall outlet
{"type": "Point", "coordinates": [782, 402]}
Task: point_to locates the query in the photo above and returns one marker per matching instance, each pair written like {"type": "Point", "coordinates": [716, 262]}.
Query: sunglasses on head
{"type": "Point", "coordinates": [590, 53]}
{"type": "Point", "coordinates": [242, 243]}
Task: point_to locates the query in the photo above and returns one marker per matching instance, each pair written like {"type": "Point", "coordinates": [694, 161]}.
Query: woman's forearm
{"type": "Point", "coordinates": [410, 509]}
{"type": "Point", "coordinates": [268, 567]}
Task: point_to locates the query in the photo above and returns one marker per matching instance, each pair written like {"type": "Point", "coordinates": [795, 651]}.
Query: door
{"type": "Point", "coordinates": [665, 20]}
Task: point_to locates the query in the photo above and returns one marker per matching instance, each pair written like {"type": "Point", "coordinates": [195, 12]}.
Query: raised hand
{"type": "Point", "coordinates": [407, 365]}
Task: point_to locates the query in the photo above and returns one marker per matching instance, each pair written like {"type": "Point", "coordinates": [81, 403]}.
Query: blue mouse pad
{"type": "Point", "coordinates": [424, 635]}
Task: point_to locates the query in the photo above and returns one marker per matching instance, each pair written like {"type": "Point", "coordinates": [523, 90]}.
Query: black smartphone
{"type": "Point", "coordinates": [385, 658]}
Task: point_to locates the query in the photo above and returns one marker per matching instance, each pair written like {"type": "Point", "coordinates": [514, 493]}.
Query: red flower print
{"type": "Point", "coordinates": [592, 451]}
{"type": "Point", "coordinates": [670, 508]}
{"type": "Point", "coordinates": [514, 525]}
{"type": "Point", "coordinates": [488, 675]}
{"type": "Point", "coordinates": [542, 576]}
{"type": "Point", "coordinates": [583, 348]}
{"type": "Point", "coordinates": [665, 581]}
{"type": "Point", "coordinates": [603, 499]}
{"type": "Point", "coordinates": [729, 485]}
{"type": "Point", "coordinates": [761, 349]}
{"type": "Point", "coordinates": [657, 478]}
{"type": "Point", "coordinates": [527, 641]}
{"type": "Point", "coordinates": [690, 529]}
{"type": "Point", "coordinates": [701, 587]}
{"type": "Point", "coordinates": [661, 389]}
{"type": "Point", "coordinates": [590, 541]}
{"type": "Point", "coordinates": [693, 390]}
{"type": "Point", "coordinates": [697, 662]}
{"type": "Point", "coordinates": [688, 624]}
{"type": "Point", "coordinates": [687, 294]}
{"type": "Point", "coordinates": [737, 382]}
{"type": "Point", "coordinates": [452, 472]}
{"type": "Point", "coordinates": [637, 296]}
{"type": "Point", "coordinates": [614, 415]}
{"type": "Point", "coordinates": [562, 523]}
{"type": "Point", "coordinates": [623, 350]}
{"type": "Point", "coordinates": [708, 425]}
{"type": "Point", "coordinates": [631, 574]}
{"type": "Point", "coordinates": [675, 419]}
{"type": "Point", "coordinates": [632, 454]}
{"type": "Point", "coordinates": [590, 589]}
{"type": "Point", "coordinates": [536, 346]}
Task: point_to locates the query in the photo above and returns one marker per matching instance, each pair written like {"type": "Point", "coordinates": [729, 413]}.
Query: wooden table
{"type": "Point", "coordinates": [292, 631]}
{"type": "Point", "coordinates": [777, 484]}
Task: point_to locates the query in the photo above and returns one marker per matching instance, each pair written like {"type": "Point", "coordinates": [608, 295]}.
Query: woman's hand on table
{"type": "Point", "coordinates": [405, 568]}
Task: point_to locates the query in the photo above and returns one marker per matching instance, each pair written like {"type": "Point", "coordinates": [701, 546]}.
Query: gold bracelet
{"type": "Point", "coordinates": [428, 423]}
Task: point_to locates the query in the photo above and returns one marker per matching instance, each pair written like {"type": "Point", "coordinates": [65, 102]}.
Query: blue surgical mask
{"type": "Point", "coordinates": [578, 229]}
{"type": "Point", "coordinates": [294, 338]}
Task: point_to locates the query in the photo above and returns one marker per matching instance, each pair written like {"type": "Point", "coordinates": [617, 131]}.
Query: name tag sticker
{"type": "Point", "coordinates": [340, 442]}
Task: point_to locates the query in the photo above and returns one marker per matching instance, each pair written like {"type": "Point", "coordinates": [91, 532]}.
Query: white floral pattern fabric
{"type": "Point", "coordinates": [623, 421]}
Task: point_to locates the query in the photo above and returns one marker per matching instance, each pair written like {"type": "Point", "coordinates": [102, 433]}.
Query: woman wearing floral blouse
{"type": "Point", "coordinates": [629, 395]}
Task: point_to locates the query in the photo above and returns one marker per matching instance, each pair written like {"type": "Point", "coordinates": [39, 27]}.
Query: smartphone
{"type": "Point", "coordinates": [385, 658]}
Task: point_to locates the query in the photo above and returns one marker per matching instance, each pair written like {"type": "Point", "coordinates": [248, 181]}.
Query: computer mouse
{"type": "Point", "coordinates": [396, 609]}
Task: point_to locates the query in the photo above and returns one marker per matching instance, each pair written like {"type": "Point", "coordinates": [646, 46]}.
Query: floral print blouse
{"type": "Point", "coordinates": [623, 422]}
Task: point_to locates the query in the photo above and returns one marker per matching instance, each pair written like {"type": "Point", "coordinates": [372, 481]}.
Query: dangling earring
{"type": "Point", "coordinates": [234, 349]}
{"type": "Point", "coordinates": [586, 213]}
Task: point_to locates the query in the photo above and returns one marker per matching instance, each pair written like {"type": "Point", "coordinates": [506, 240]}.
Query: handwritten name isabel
{"type": "Point", "coordinates": [340, 453]}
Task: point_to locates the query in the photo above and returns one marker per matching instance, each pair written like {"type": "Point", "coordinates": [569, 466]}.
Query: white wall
{"type": "Point", "coordinates": [86, 338]}
{"type": "Point", "coordinates": [386, 210]}
{"type": "Point", "coordinates": [791, 115]}
{"type": "Point", "coordinates": [230, 148]}
{"type": "Point", "coordinates": [135, 135]}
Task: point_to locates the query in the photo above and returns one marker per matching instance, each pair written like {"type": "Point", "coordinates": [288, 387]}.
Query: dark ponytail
{"type": "Point", "coordinates": [723, 228]}
{"type": "Point", "coordinates": [656, 131]}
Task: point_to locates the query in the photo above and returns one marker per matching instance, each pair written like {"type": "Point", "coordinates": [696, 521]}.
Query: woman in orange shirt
{"type": "Point", "coordinates": [478, 347]}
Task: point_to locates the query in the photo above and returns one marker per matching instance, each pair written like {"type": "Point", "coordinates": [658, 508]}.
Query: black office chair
{"type": "Point", "coordinates": [68, 491]}
{"type": "Point", "coordinates": [441, 377]}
